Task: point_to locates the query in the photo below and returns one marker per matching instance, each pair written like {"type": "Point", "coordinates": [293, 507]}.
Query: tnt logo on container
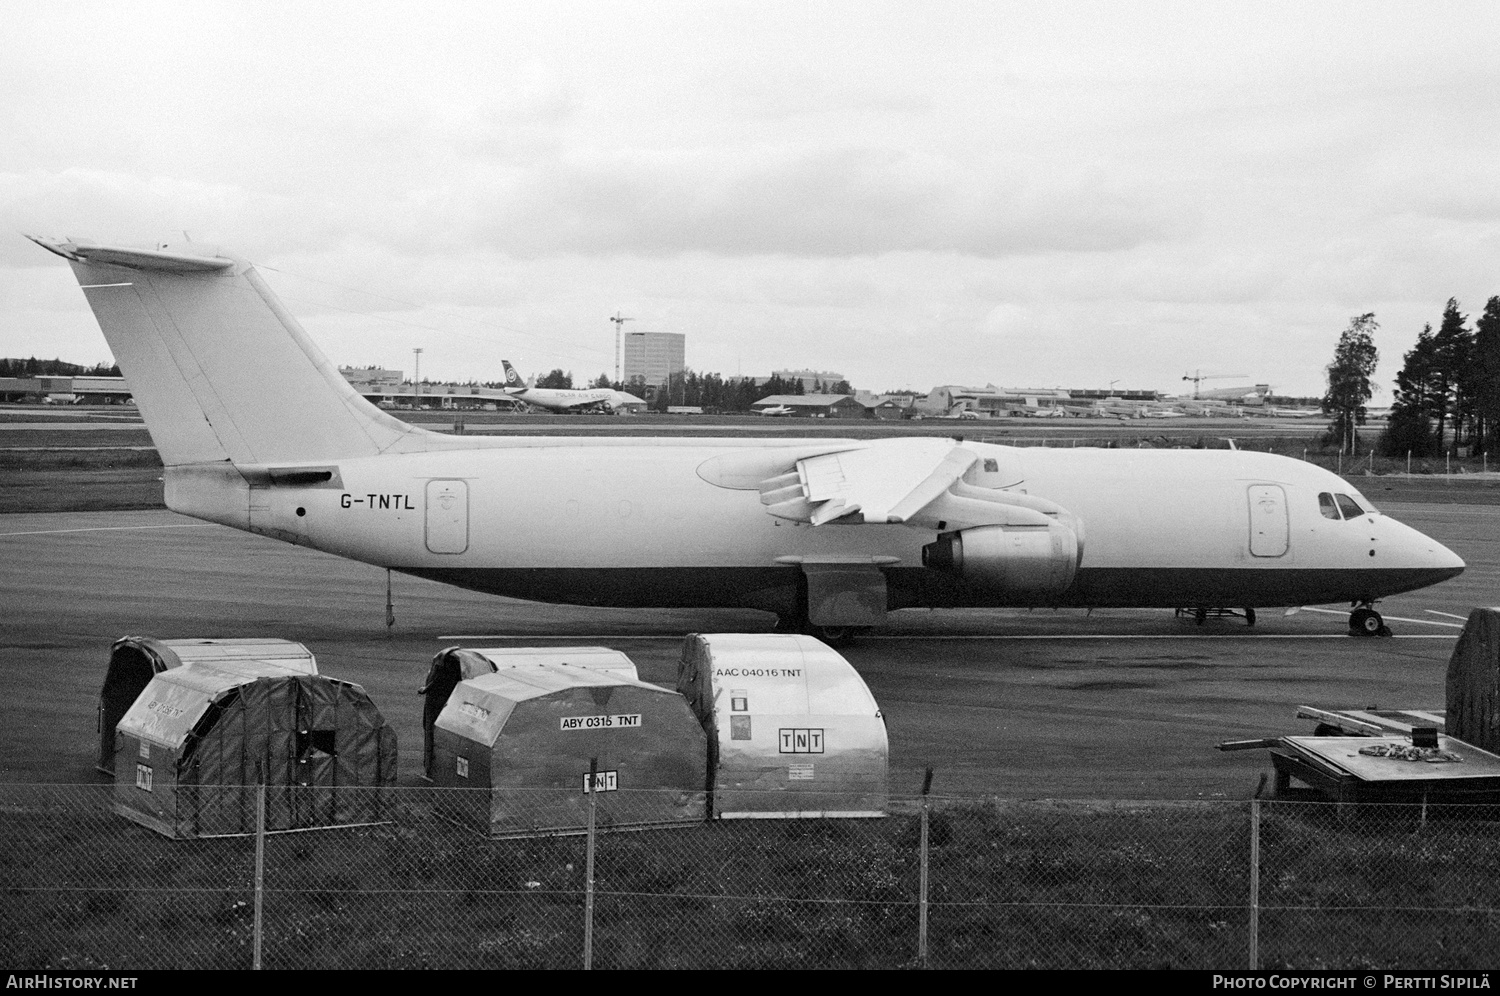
{"type": "Point", "coordinates": [604, 781]}
{"type": "Point", "coordinates": [800, 742]}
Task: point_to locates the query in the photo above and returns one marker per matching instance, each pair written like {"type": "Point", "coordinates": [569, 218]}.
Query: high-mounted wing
{"type": "Point", "coordinates": [916, 482]}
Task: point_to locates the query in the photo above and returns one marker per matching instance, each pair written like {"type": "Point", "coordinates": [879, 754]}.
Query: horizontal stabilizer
{"type": "Point", "coordinates": [136, 259]}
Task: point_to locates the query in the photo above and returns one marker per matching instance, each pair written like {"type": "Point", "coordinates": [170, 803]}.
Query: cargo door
{"type": "Point", "coordinates": [1269, 529]}
{"type": "Point", "coordinates": [447, 516]}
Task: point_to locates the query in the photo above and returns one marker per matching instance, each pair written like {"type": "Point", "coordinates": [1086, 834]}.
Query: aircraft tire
{"type": "Point", "coordinates": [837, 636]}
{"type": "Point", "coordinates": [1249, 617]}
{"type": "Point", "coordinates": [1366, 622]}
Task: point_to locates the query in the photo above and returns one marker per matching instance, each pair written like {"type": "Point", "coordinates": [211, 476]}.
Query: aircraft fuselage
{"type": "Point", "coordinates": [638, 524]}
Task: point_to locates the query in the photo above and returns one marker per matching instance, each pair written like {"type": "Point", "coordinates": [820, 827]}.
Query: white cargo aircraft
{"type": "Point", "coordinates": [257, 430]}
{"type": "Point", "coordinates": [565, 399]}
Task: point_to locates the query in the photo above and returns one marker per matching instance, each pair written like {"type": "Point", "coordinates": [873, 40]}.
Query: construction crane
{"type": "Point", "coordinates": [619, 321]}
{"type": "Point", "coordinates": [1199, 375]}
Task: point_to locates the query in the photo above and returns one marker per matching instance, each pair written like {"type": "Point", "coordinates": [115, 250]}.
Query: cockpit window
{"type": "Point", "coordinates": [1327, 506]}
{"type": "Point", "coordinates": [1349, 507]}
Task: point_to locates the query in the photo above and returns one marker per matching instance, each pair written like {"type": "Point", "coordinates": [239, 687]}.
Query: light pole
{"type": "Point", "coordinates": [416, 379]}
{"type": "Point", "coordinates": [619, 321]}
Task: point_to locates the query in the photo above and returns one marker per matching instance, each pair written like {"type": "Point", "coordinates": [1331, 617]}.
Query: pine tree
{"type": "Point", "coordinates": [1485, 385]}
{"type": "Point", "coordinates": [1451, 346]}
{"type": "Point", "coordinates": [1410, 427]}
{"type": "Point", "coordinates": [1349, 388]}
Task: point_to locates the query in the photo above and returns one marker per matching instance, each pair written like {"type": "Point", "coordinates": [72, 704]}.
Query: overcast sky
{"type": "Point", "coordinates": [1029, 194]}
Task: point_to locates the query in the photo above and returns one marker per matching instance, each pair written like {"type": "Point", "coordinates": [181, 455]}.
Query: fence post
{"type": "Point", "coordinates": [1254, 884]}
{"type": "Point", "coordinates": [588, 866]}
{"type": "Point", "coordinates": [922, 887]}
{"type": "Point", "coordinates": [260, 862]}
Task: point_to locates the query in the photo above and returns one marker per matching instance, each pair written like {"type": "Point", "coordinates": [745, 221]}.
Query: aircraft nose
{"type": "Point", "coordinates": [1435, 558]}
{"type": "Point", "coordinates": [1445, 560]}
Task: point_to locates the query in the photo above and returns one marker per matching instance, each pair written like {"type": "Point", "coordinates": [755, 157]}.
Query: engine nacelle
{"type": "Point", "coordinates": [1032, 559]}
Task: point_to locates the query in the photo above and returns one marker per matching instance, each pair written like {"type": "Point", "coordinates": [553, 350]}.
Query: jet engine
{"type": "Point", "coordinates": [1036, 559]}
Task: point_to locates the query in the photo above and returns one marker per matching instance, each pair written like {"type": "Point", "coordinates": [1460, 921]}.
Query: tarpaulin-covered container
{"type": "Point", "coordinates": [195, 742]}
{"type": "Point", "coordinates": [455, 664]}
{"type": "Point", "coordinates": [792, 728]}
{"type": "Point", "coordinates": [520, 741]}
{"type": "Point", "coordinates": [135, 660]}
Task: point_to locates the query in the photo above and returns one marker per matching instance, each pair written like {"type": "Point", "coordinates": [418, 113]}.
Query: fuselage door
{"type": "Point", "coordinates": [447, 516]}
{"type": "Point", "coordinates": [1269, 529]}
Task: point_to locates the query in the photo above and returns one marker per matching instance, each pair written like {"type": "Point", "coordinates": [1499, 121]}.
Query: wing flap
{"type": "Point", "coordinates": [875, 478]}
{"type": "Point", "coordinates": [914, 482]}
{"type": "Point", "coordinates": [955, 464]}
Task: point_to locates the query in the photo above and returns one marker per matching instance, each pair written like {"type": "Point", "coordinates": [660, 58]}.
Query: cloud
{"type": "Point", "coordinates": [804, 203]}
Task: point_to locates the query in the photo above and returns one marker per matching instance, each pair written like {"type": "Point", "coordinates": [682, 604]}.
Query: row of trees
{"type": "Point", "coordinates": [33, 367]}
{"type": "Point", "coordinates": [1447, 393]}
{"type": "Point", "coordinates": [714, 392]}
{"type": "Point", "coordinates": [1448, 390]}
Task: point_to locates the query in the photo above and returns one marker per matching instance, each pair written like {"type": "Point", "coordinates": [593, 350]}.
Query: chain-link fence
{"type": "Point", "coordinates": [998, 884]}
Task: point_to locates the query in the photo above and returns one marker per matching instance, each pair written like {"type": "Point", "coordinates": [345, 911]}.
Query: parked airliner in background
{"type": "Point", "coordinates": [558, 399]}
{"type": "Point", "coordinates": [257, 430]}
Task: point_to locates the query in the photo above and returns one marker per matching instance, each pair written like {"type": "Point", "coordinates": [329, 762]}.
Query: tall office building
{"type": "Point", "coordinates": [653, 358]}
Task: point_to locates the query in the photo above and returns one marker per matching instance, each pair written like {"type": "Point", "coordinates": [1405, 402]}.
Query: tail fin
{"type": "Point", "coordinates": [512, 379]}
{"type": "Point", "coordinates": [219, 369]}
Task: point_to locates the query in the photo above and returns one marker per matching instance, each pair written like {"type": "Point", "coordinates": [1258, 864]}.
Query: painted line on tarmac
{"type": "Point", "coordinates": [866, 637]}
{"type": "Point", "coordinates": [1424, 622]}
{"type": "Point", "coordinates": [676, 635]}
{"type": "Point", "coordinates": [1166, 636]}
{"type": "Point", "coordinates": [109, 529]}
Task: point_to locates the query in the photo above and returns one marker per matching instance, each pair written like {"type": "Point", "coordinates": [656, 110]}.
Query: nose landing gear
{"type": "Point", "coordinates": [1365, 621]}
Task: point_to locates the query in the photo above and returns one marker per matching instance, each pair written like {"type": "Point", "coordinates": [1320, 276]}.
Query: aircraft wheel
{"type": "Point", "coordinates": [836, 636]}
{"type": "Point", "coordinates": [1249, 617]}
{"type": "Point", "coordinates": [1201, 615]}
{"type": "Point", "coordinates": [1366, 622]}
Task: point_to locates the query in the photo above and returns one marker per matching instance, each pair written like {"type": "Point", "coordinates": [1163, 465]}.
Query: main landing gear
{"type": "Point", "coordinates": [1365, 621]}
{"type": "Point", "coordinates": [1202, 613]}
{"type": "Point", "coordinates": [834, 636]}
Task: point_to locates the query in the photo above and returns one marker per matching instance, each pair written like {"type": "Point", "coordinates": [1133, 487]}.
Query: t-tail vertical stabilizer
{"type": "Point", "coordinates": [219, 369]}
{"type": "Point", "coordinates": [222, 374]}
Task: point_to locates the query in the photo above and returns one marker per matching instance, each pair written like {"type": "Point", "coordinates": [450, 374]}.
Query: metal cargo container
{"type": "Point", "coordinates": [196, 742]}
{"type": "Point", "coordinates": [135, 660]}
{"type": "Point", "coordinates": [792, 728]}
{"type": "Point", "coordinates": [455, 664]}
{"type": "Point", "coordinates": [512, 752]}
